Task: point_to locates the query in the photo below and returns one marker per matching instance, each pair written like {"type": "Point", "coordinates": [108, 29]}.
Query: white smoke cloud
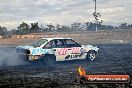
{"type": "Point", "coordinates": [9, 57]}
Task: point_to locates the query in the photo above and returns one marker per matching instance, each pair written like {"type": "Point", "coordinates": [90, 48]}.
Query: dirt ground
{"type": "Point", "coordinates": [112, 59]}
{"type": "Point", "coordinates": [115, 57]}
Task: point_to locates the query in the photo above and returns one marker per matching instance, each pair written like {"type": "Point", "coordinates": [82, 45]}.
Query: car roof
{"type": "Point", "coordinates": [54, 38]}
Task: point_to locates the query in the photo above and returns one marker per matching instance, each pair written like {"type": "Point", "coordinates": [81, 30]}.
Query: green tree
{"type": "Point", "coordinates": [58, 28]}
{"type": "Point", "coordinates": [76, 26]}
{"type": "Point", "coordinates": [3, 31]}
{"type": "Point", "coordinates": [51, 27]}
{"type": "Point", "coordinates": [90, 26]}
{"type": "Point", "coordinates": [66, 29]}
{"type": "Point", "coordinates": [123, 26]}
{"type": "Point", "coordinates": [24, 28]}
{"type": "Point", "coordinates": [35, 27]}
{"type": "Point", "coordinates": [13, 32]}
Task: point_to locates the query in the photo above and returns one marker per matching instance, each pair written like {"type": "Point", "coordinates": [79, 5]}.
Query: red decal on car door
{"type": "Point", "coordinates": [75, 50]}
{"type": "Point", "coordinates": [62, 51]}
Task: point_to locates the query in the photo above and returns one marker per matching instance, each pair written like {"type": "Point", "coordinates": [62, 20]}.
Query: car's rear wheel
{"type": "Point", "coordinates": [91, 55]}
{"type": "Point", "coordinates": [49, 59]}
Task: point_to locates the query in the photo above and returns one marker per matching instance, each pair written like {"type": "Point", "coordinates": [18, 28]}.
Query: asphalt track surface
{"type": "Point", "coordinates": [112, 59]}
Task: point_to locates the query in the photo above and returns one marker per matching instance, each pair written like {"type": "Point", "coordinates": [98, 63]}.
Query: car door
{"type": "Point", "coordinates": [60, 50]}
{"type": "Point", "coordinates": [56, 47]}
{"type": "Point", "coordinates": [74, 49]}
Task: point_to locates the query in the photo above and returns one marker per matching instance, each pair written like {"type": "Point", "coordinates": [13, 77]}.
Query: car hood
{"type": "Point", "coordinates": [25, 47]}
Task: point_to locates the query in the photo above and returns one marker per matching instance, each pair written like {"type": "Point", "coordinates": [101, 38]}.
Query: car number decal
{"type": "Point", "coordinates": [75, 50]}
{"type": "Point", "coordinates": [62, 51]}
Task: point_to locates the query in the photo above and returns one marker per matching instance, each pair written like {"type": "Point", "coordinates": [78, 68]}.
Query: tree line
{"type": "Point", "coordinates": [24, 28]}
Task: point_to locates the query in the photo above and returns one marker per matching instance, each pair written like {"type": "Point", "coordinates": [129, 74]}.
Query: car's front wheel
{"type": "Point", "coordinates": [49, 59]}
{"type": "Point", "coordinates": [91, 55]}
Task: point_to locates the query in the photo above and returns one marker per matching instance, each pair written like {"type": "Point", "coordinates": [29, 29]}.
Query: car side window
{"type": "Point", "coordinates": [58, 43]}
{"type": "Point", "coordinates": [48, 45]}
{"type": "Point", "coordinates": [71, 43]}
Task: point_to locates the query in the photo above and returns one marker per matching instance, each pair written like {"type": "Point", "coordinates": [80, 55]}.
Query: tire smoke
{"type": "Point", "coordinates": [9, 57]}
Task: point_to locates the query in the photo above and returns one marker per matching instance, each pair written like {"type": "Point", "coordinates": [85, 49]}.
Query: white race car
{"type": "Point", "coordinates": [57, 49]}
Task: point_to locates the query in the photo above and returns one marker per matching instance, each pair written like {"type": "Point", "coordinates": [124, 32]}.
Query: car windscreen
{"type": "Point", "coordinates": [38, 43]}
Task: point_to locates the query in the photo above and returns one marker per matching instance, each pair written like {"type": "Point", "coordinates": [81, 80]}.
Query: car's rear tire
{"type": "Point", "coordinates": [49, 59]}
{"type": "Point", "coordinates": [91, 55]}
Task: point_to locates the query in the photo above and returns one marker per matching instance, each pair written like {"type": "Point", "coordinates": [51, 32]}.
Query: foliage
{"type": "Point", "coordinates": [3, 31]}
{"type": "Point", "coordinates": [34, 27]}
{"type": "Point", "coordinates": [24, 28]}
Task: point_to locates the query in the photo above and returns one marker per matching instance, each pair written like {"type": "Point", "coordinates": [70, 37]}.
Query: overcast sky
{"type": "Point", "coordinates": [64, 12]}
